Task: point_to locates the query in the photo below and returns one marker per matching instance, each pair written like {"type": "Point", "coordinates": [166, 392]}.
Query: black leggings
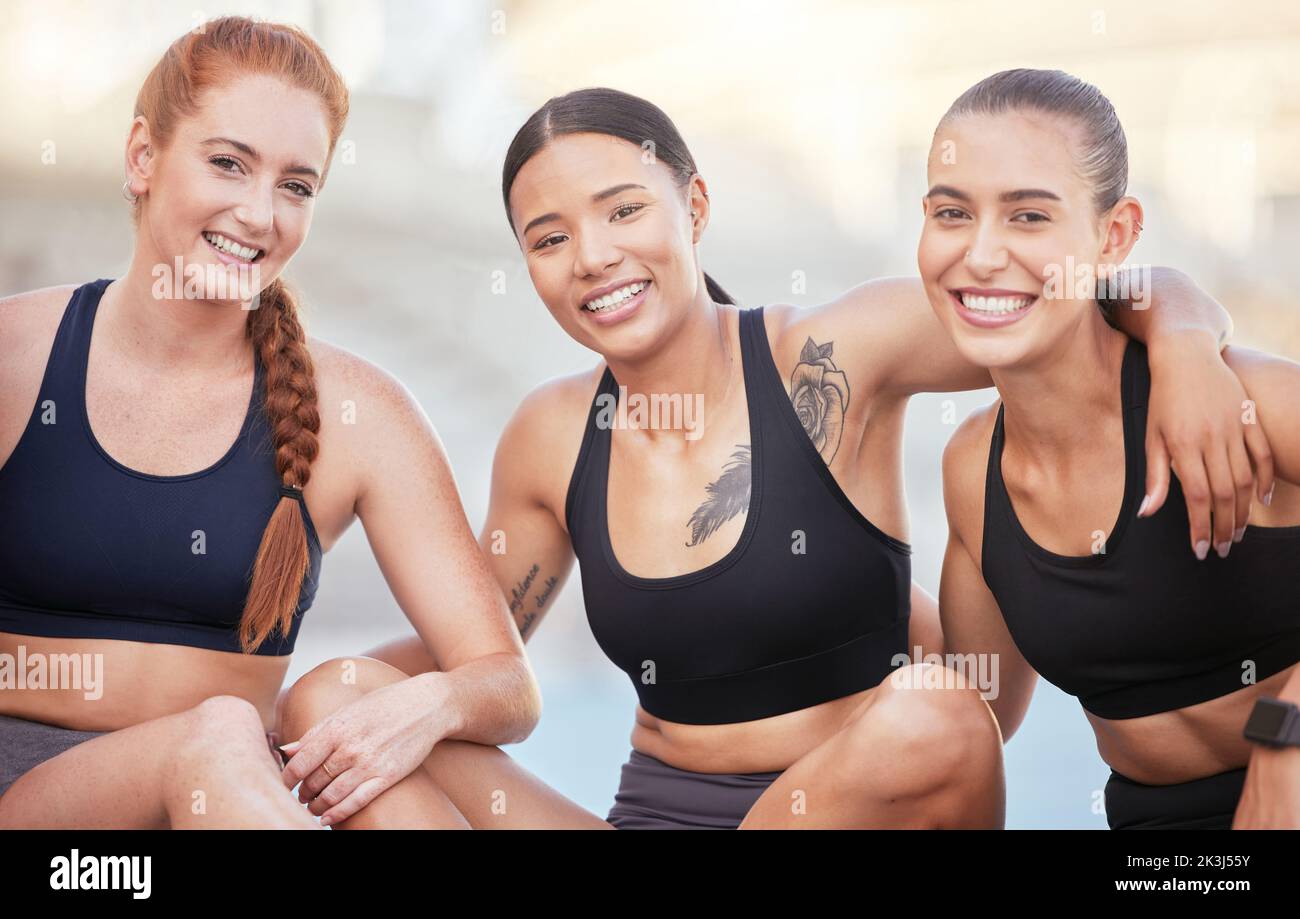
{"type": "Point", "coordinates": [1201, 804]}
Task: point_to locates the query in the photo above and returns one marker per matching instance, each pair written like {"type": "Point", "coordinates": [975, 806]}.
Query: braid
{"type": "Point", "coordinates": [282, 559]}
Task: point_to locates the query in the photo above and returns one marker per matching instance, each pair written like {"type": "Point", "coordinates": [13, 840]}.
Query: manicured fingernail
{"type": "Point", "coordinates": [1268, 498]}
{"type": "Point", "coordinates": [1202, 549]}
{"type": "Point", "coordinates": [326, 821]}
{"type": "Point", "coordinates": [1222, 548]}
{"type": "Point", "coordinates": [1142, 508]}
{"type": "Point", "coordinates": [1238, 533]}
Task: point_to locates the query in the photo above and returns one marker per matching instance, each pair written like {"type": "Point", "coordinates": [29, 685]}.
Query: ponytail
{"type": "Point", "coordinates": [716, 293]}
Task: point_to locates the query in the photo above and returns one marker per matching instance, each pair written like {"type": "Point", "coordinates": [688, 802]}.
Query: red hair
{"type": "Point", "coordinates": [212, 55]}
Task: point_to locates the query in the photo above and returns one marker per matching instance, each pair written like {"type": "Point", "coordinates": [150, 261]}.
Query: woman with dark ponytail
{"type": "Point", "coordinates": [746, 566]}
{"type": "Point", "coordinates": [170, 482]}
{"type": "Point", "coordinates": [1186, 663]}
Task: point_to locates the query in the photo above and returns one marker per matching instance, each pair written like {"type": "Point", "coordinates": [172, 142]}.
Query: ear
{"type": "Point", "coordinates": [140, 156]}
{"type": "Point", "coordinates": [697, 200]}
{"type": "Point", "coordinates": [1120, 230]}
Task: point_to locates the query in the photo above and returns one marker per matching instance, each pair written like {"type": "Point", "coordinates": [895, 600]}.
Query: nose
{"type": "Point", "coordinates": [595, 253]}
{"type": "Point", "coordinates": [987, 253]}
{"type": "Point", "coordinates": [256, 211]}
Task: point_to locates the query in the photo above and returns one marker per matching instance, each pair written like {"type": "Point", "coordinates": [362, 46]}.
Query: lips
{"type": "Point", "coordinates": [610, 290]}
{"type": "Point", "coordinates": [621, 311]}
{"type": "Point", "coordinates": [234, 249]}
{"type": "Point", "coordinates": [987, 308]}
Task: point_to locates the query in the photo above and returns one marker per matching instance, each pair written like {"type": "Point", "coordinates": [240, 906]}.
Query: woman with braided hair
{"type": "Point", "coordinates": [172, 469]}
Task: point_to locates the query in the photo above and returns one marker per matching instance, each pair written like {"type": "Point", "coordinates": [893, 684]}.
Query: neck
{"type": "Point", "coordinates": [1061, 399]}
{"type": "Point", "coordinates": [171, 333]}
{"type": "Point", "coordinates": [698, 357]}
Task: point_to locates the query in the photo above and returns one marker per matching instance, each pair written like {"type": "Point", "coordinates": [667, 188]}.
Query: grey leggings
{"type": "Point", "coordinates": [653, 795]}
{"type": "Point", "coordinates": [24, 745]}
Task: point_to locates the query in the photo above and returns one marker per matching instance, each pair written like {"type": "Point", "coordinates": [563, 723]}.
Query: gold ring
{"type": "Point", "coordinates": [327, 771]}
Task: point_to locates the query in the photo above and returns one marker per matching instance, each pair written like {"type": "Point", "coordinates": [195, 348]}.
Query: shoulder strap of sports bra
{"type": "Point", "coordinates": [590, 432]}
{"type": "Point", "coordinates": [65, 372]}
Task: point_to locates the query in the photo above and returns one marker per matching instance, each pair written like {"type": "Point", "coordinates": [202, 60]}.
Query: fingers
{"type": "Point", "coordinates": [305, 757]}
{"type": "Point", "coordinates": [1196, 494]}
{"type": "Point", "coordinates": [1223, 495]}
{"type": "Point", "coordinates": [315, 783]}
{"type": "Point", "coordinates": [336, 790]}
{"type": "Point", "coordinates": [1243, 482]}
{"type": "Point", "coordinates": [360, 797]}
{"type": "Point", "coordinates": [1261, 457]}
{"type": "Point", "coordinates": [1157, 477]}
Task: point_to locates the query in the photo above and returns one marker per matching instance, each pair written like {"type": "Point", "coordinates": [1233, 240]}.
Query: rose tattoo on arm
{"type": "Point", "coordinates": [820, 393]}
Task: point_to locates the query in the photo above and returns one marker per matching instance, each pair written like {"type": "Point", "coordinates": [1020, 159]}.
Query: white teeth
{"type": "Point", "coordinates": [995, 304]}
{"type": "Point", "coordinates": [612, 299]}
{"type": "Point", "coordinates": [226, 245]}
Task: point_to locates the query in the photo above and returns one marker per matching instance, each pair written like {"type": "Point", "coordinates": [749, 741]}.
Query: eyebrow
{"type": "Point", "coordinates": [595, 199]}
{"type": "Point", "coordinates": [1020, 194]}
{"type": "Point", "coordinates": [295, 169]}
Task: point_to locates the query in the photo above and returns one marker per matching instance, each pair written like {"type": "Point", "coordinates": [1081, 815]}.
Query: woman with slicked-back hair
{"type": "Point", "coordinates": [747, 566]}
{"type": "Point", "coordinates": [1186, 664]}
{"type": "Point", "coordinates": [173, 464]}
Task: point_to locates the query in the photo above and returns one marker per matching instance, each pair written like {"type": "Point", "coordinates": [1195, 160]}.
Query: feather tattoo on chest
{"type": "Point", "coordinates": [819, 392]}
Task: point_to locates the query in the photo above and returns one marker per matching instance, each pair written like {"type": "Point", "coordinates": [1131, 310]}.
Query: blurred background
{"type": "Point", "coordinates": [810, 121]}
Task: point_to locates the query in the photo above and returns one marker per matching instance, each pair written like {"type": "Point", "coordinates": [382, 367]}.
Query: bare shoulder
{"type": "Point", "coordinates": [965, 468]}
{"type": "Point", "coordinates": [1273, 384]}
{"type": "Point", "coordinates": [540, 443]}
{"type": "Point", "coordinates": [370, 422]}
{"type": "Point", "coordinates": [28, 319]}
{"type": "Point", "coordinates": [1261, 369]}
{"type": "Point", "coordinates": [340, 372]}
{"type": "Point", "coordinates": [28, 324]}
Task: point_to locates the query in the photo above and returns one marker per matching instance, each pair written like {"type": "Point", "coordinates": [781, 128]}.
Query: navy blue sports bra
{"type": "Point", "coordinates": [92, 549]}
{"type": "Point", "coordinates": [764, 630]}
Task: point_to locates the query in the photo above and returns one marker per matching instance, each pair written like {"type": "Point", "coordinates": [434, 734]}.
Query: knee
{"type": "Point", "coordinates": [218, 721]}
{"type": "Point", "coordinates": [329, 686]}
{"type": "Point", "coordinates": [928, 710]}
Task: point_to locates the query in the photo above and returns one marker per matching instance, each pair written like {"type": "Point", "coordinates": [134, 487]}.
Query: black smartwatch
{"type": "Point", "coordinates": [1274, 723]}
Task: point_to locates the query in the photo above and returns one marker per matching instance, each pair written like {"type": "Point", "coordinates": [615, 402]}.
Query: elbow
{"type": "Point", "coordinates": [529, 695]}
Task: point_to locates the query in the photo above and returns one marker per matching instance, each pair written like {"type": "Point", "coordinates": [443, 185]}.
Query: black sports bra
{"type": "Point", "coordinates": [1143, 627]}
{"type": "Point", "coordinates": [765, 629]}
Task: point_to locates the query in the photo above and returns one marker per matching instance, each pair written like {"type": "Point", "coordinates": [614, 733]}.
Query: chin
{"type": "Point", "coordinates": [991, 351]}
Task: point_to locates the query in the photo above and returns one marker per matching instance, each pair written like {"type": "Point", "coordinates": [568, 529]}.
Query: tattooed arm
{"type": "Point", "coordinates": [525, 544]}
{"type": "Point", "coordinates": [888, 328]}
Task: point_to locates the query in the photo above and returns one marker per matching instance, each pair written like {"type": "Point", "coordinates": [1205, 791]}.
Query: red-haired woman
{"type": "Point", "coordinates": [170, 431]}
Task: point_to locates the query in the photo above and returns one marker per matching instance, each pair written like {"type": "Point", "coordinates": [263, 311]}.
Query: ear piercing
{"type": "Point", "coordinates": [126, 192]}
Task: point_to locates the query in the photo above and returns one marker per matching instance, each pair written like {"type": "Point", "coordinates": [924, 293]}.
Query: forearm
{"type": "Point", "coordinates": [1173, 312]}
{"type": "Point", "coordinates": [490, 700]}
{"type": "Point", "coordinates": [1291, 688]}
